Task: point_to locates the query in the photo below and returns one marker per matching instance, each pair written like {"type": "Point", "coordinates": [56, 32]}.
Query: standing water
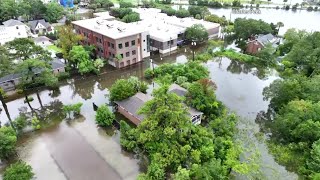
{"type": "Point", "coordinates": [78, 149]}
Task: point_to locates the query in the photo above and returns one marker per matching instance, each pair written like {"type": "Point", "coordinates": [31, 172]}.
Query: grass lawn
{"type": "Point", "coordinates": [54, 48]}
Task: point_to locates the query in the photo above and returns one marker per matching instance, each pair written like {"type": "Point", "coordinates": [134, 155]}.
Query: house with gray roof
{"type": "Point", "coordinates": [40, 26]}
{"type": "Point", "coordinates": [129, 107]}
{"type": "Point", "coordinates": [9, 82]}
{"type": "Point", "coordinates": [260, 41]}
{"type": "Point", "coordinates": [42, 41]}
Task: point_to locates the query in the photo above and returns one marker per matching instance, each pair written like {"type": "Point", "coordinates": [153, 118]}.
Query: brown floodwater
{"type": "Point", "coordinates": [78, 149]}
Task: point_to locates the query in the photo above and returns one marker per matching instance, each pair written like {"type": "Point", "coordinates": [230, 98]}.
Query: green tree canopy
{"type": "Point", "coordinates": [18, 171]}
{"type": "Point", "coordinates": [104, 117]}
{"type": "Point", "coordinates": [80, 59]}
{"type": "Point", "coordinates": [67, 39]}
{"type": "Point", "coordinates": [196, 32]}
{"type": "Point", "coordinates": [25, 48]}
{"type": "Point", "coordinates": [5, 61]}
{"type": "Point", "coordinates": [125, 88]}
{"type": "Point", "coordinates": [245, 28]}
{"type": "Point", "coordinates": [54, 12]}
{"type": "Point", "coordinates": [182, 13]}
{"type": "Point", "coordinates": [8, 140]}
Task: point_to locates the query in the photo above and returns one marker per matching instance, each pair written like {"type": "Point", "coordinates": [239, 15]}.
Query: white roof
{"type": "Point", "coordinates": [111, 28]}
{"type": "Point", "coordinates": [160, 26]}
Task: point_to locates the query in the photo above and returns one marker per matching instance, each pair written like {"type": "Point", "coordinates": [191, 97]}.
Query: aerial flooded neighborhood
{"type": "Point", "coordinates": [155, 90]}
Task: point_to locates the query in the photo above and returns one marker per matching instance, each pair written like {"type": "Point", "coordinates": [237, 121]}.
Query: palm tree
{"type": "Point", "coordinates": [279, 24]}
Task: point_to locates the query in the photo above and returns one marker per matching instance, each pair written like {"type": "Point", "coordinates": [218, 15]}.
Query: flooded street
{"type": "Point", "coordinates": [78, 149]}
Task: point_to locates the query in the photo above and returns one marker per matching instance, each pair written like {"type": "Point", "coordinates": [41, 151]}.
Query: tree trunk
{"type": "Point", "coordinates": [39, 99]}
{"type": "Point", "coordinates": [6, 110]}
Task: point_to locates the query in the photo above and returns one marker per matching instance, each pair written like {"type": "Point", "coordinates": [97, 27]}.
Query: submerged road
{"type": "Point", "coordinates": [75, 157]}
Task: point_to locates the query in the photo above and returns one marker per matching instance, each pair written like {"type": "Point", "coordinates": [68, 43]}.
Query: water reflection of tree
{"type": "Point", "coordinates": [84, 88]}
{"type": "Point", "coordinates": [237, 67]}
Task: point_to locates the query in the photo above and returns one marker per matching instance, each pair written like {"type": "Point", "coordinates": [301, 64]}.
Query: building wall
{"type": "Point", "coordinates": [164, 47]}
{"type": "Point", "coordinates": [108, 48]}
{"type": "Point", "coordinates": [253, 47]}
{"type": "Point", "coordinates": [130, 54]}
{"type": "Point", "coordinates": [8, 34]}
{"type": "Point", "coordinates": [128, 115]}
{"type": "Point", "coordinates": [213, 31]}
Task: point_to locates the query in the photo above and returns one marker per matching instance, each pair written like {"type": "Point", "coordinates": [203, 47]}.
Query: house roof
{"type": "Point", "coordinates": [180, 91]}
{"type": "Point", "coordinates": [134, 103]}
{"type": "Point", "coordinates": [33, 24]}
{"type": "Point", "coordinates": [12, 22]}
{"type": "Point", "coordinates": [265, 39]}
{"type": "Point", "coordinates": [41, 39]}
{"type": "Point", "coordinates": [55, 64]}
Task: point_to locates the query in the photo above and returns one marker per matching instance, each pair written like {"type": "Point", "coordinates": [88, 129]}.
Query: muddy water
{"type": "Point", "coordinates": [78, 149]}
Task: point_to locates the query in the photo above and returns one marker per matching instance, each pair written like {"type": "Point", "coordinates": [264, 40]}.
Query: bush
{"type": "Point", "coordinates": [310, 8]}
{"type": "Point", "coordinates": [75, 108]}
{"type": "Point", "coordinates": [8, 140]}
{"type": "Point", "coordinates": [168, 10]}
{"type": "Point", "coordinates": [104, 116]}
{"type": "Point", "coordinates": [287, 7]}
{"type": "Point", "coordinates": [29, 99]}
{"type": "Point", "coordinates": [35, 123]}
{"type": "Point", "coordinates": [20, 122]}
{"type": "Point", "coordinates": [120, 12]}
{"type": "Point", "coordinates": [125, 4]}
{"type": "Point", "coordinates": [18, 171]}
{"type": "Point", "coordinates": [193, 71]}
{"type": "Point", "coordinates": [215, 4]}
{"type": "Point", "coordinates": [203, 57]}
{"type": "Point", "coordinates": [277, 7]}
{"type": "Point", "coordinates": [63, 76]}
{"type": "Point", "coordinates": [132, 17]}
{"type": "Point", "coordinates": [125, 88]}
{"type": "Point", "coordinates": [235, 56]}
{"type": "Point", "coordinates": [182, 13]}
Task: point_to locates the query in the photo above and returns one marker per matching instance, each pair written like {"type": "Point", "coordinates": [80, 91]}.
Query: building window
{"type": "Point", "coordinates": [134, 52]}
{"type": "Point", "coordinates": [127, 54]}
{"type": "Point", "coordinates": [168, 43]}
{"type": "Point", "coordinates": [109, 53]}
{"type": "Point", "coordinates": [113, 55]}
{"type": "Point", "coordinates": [109, 44]}
{"type": "Point", "coordinates": [97, 39]}
{"type": "Point", "coordinates": [101, 50]}
{"type": "Point", "coordinates": [112, 45]}
{"type": "Point", "coordinates": [134, 60]}
{"type": "Point", "coordinates": [144, 49]}
{"type": "Point", "coordinates": [120, 46]}
{"type": "Point", "coordinates": [171, 42]}
{"type": "Point", "coordinates": [100, 40]}
{"type": "Point", "coordinates": [121, 55]}
{"type": "Point", "coordinates": [133, 43]}
{"type": "Point", "coordinates": [128, 62]}
{"type": "Point", "coordinates": [126, 44]}
{"type": "Point", "coordinates": [121, 64]}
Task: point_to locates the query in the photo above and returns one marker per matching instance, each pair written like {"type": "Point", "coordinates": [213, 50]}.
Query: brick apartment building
{"type": "Point", "coordinates": [122, 44]}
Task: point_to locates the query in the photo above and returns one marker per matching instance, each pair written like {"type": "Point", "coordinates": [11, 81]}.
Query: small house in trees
{"type": "Point", "coordinates": [9, 82]}
{"type": "Point", "coordinates": [40, 26]}
{"type": "Point", "coordinates": [256, 43]}
{"type": "Point", "coordinates": [129, 107]}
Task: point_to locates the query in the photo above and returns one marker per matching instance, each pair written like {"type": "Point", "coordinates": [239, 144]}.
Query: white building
{"type": "Point", "coordinates": [166, 32]}
{"type": "Point", "coordinates": [12, 29]}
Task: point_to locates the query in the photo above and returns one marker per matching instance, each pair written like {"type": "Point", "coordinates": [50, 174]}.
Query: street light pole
{"type": "Point", "coordinates": [151, 61]}
{"type": "Point", "coordinates": [193, 44]}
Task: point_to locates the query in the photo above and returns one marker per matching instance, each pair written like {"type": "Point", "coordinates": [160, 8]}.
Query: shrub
{"type": "Point", "coordinates": [287, 7]}
{"type": "Point", "coordinates": [168, 10]}
{"type": "Point", "coordinates": [8, 140]}
{"type": "Point", "coordinates": [124, 88]}
{"type": "Point", "coordinates": [104, 116]}
{"type": "Point", "coordinates": [75, 108]}
{"type": "Point", "coordinates": [35, 123]}
{"type": "Point", "coordinates": [215, 4]}
{"type": "Point", "coordinates": [18, 171]}
{"type": "Point", "coordinates": [182, 13]}
{"type": "Point", "coordinates": [310, 8]}
{"type": "Point", "coordinates": [277, 7]}
{"type": "Point", "coordinates": [20, 122]}
{"type": "Point", "coordinates": [203, 57]}
{"type": "Point", "coordinates": [29, 99]}
{"type": "Point", "coordinates": [125, 4]}
{"type": "Point", "coordinates": [63, 75]}
{"type": "Point", "coordinates": [198, 16]}
{"type": "Point", "coordinates": [132, 17]}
